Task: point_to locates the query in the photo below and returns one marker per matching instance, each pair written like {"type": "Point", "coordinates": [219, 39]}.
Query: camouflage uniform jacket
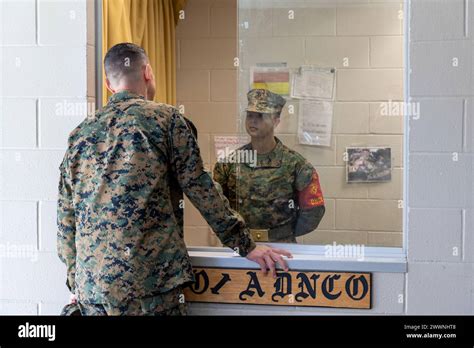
{"type": "Point", "coordinates": [117, 233]}
{"type": "Point", "coordinates": [283, 188]}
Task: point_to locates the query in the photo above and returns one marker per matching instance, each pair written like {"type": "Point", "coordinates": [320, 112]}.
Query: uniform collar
{"type": "Point", "coordinates": [269, 160]}
{"type": "Point", "coordinates": [124, 96]}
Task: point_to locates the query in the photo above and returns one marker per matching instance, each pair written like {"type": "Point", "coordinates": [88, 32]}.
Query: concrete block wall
{"type": "Point", "coordinates": [207, 87]}
{"type": "Point", "coordinates": [47, 78]}
{"type": "Point", "coordinates": [441, 171]}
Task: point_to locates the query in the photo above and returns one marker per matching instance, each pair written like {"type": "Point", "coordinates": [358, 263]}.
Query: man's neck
{"type": "Point", "coordinates": [264, 145]}
{"type": "Point", "coordinates": [133, 90]}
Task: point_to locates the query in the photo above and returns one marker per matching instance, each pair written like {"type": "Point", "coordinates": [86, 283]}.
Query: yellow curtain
{"type": "Point", "coordinates": [150, 24]}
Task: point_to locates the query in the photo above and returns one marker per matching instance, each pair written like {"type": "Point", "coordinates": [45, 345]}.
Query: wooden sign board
{"type": "Point", "coordinates": [294, 288]}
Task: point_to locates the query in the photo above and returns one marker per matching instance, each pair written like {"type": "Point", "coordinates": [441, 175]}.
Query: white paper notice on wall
{"type": "Point", "coordinates": [313, 83]}
{"type": "Point", "coordinates": [315, 123]}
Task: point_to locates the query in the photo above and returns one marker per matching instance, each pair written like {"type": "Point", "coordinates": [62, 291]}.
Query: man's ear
{"type": "Point", "coordinates": [276, 121]}
{"type": "Point", "coordinates": [109, 86]}
{"type": "Point", "coordinates": [148, 73]}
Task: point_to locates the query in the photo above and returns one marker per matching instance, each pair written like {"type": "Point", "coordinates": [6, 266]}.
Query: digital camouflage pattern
{"type": "Point", "coordinates": [282, 189]}
{"type": "Point", "coordinates": [264, 101]}
{"type": "Point", "coordinates": [71, 309]}
{"type": "Point", "coordinates": [117, 233]}
{"type": "Point", "coordinates": [176, 191]}
{"type": "Point", "coordinates": [167, 304]}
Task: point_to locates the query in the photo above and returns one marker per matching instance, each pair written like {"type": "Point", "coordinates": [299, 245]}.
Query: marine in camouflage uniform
{"type": "Point", "coordinates": [280, 197]}
{"type": "Point", "coordinates": [117, 231]}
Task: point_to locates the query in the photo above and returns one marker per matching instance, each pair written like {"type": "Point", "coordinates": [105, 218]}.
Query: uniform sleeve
{"type": "Point", "coordinates": [221, 177]}
{"type": "Point", "coordinates": [198, 185]}
{"type": "Point", "coordinates": [310, 200]}
{"type": "Point", "coordinates": [66, 244]}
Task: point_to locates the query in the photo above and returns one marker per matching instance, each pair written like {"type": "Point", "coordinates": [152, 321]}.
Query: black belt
{"type": "Point", "coordinates": [272, 234]}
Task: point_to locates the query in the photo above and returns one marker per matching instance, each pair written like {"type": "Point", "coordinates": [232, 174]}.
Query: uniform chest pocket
{"type": "Point", "coordinates": [272, 188]}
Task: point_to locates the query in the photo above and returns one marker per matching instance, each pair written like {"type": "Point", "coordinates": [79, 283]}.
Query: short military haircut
{"type": "Point", "coordinates": [124, 60]}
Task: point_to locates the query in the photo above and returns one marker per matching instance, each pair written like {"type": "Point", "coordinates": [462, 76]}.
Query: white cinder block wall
{"type": "Point", "coordinates": [44, 87]}
{"type": "Point", "coordinates": [440, 275]}
{"type": "Point", "coordinates": [44, 45]}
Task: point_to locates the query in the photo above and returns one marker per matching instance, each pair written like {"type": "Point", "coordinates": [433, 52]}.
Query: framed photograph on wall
{"type": "Point", "coordinates": [368, 164]}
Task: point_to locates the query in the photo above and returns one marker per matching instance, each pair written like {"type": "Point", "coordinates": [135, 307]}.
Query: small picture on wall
{"type": "Point", "coordinates": [369, 164]}
{"type": "Point", "coordinates": [272, 76]}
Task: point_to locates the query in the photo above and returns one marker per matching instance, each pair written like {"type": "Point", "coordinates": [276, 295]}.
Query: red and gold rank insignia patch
{"type": "Point", "coordinates": [311, 196]}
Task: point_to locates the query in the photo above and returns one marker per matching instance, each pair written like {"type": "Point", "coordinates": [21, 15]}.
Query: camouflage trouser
{"type": "Point", "coordinates": [166, 304]}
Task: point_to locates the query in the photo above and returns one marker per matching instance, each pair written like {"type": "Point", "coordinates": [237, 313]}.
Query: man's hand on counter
{"type": "Point", "coordinates": [267, 257]}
